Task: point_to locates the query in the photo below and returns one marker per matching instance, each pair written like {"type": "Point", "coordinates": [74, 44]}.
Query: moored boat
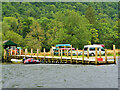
{"type": "Point", "coordinates": [16, 61]}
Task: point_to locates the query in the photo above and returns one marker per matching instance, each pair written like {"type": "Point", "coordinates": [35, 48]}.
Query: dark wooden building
{"type": "Point", "coordinates": [9, 44]}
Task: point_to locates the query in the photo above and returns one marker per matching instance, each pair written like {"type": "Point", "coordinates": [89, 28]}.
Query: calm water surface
{"type": "Point", "coordinates": [59, 76]}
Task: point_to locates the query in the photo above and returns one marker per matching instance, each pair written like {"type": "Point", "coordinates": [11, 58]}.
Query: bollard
{"type": "Point", "coordinates": [96, 56]}
{"type": "Point", "coordinates": [105, 55]}
{"type": "Point", "coordinates": [114, 52]}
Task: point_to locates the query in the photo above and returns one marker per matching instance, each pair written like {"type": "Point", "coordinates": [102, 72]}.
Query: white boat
{"type": "Point", "coordinates": [16, 61]}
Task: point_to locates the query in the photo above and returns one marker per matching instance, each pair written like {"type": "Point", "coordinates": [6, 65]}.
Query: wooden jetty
{"type": "Point", "coordinates": [60, 59]}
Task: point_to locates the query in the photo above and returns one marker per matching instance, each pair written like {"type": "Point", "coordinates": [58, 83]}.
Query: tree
{"type": "Point", "coordinates": [35, 38]}
{"type": "Point", "coordinates": [71, 28]}
{"type": "Point", "coordinates": [90, 15]}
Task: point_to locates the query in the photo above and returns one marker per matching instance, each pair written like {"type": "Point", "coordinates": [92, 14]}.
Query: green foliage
{"type": "Point", "coordinates": [43, 24]}
{"type": "Point", "coordinates": [35, 38]}
{"type": "Point", "coordinates": [11, 35]}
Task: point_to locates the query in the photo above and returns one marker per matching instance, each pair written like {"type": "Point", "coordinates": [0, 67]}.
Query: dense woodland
{"type": "Point", "coordinates": [43, 24]}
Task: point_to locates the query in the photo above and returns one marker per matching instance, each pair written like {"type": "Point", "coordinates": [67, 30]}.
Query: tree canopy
{"type": "Point", "coordinates": [43, 24]}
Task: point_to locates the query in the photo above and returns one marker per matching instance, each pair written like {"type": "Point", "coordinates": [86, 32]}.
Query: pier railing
{"type": "Point", "coordinates": [61, 58]}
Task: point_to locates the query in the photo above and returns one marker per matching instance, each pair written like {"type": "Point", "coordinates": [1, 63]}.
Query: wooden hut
{"type": "Point", "coordinates": [9, 43]}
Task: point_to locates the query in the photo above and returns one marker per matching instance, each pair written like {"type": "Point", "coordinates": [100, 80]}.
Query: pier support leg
{"type": "Point", "coordinates": [96, 54]}
{"type": "Point", "coordinates": [83, 56]}
{"type": "Point", "coordinates": [114, 54]}
{"type": "Point", "coordinates": [105, 55]}
{"type": "Point", "coordinates": [71, 55]}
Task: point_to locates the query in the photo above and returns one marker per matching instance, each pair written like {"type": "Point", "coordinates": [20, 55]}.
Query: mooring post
{"type": "Point", "coordinates": [77, 52]}
{"type": "Point", "coordinates": [96, 55]}
{"type": "Point", "coordinates": [20, 53]}
{"type": "Point", "coordinates": [83, 56]}
{"type": "Point", "coordinates": [37, 53]}
{"type": "Point", "coordinates": [61, 55]}
{"type": "Point", "coordinates": [71, 53]}
{"type": "Point", "coordinates": [44, 55]}
{"type": "Point", "coordinates": [25, 52]}
{"type": "Point", "coordinates": [100, 52]}
{"type": "Point", "coordinates": [15, 52]}
{"type": "Point", "coordinates": [114, 52]}
{"type": "Point", "coordinates": [52, 55]}
{"type": "Point", "coordinates": [105, 55]}
{"type": "Point", "coordinates": [31, 52]}
{"type": "Point", "coordinates": [11, 51]}
{"type": "Point", "coordinates": [4, 54]}
{"type": "Point", "coordinates": [88, 53]}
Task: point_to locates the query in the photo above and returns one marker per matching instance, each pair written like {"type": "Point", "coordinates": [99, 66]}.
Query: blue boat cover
{"type": "Point", "coordinates": [58, 45]}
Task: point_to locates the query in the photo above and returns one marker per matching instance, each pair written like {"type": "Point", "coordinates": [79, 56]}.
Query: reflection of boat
{"type": "Point", "coordinates": [31, 61]}
{"type": "Point", "coordinates": [16, 61]}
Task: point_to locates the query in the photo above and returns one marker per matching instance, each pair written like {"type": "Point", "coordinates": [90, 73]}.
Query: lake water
{"type": "Point", "coordinates": [59, 76]}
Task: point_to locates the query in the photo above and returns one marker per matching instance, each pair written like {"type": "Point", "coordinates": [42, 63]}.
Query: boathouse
{"type": "Point", "coordinates": [9, 44]}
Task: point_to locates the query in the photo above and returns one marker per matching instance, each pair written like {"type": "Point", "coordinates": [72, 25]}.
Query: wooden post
{"type": "Point", "coordinates": [52, 55]}
{"type": "Point", "coordinates": [100, 52]}
{"type": "Point", "coordinates": [61, 55]}
{"type": "Point", "coordinates": [20, 51]}
{"type": "Point", "coordinates": [88, 53]}
{"type": "Point", "coordinates": [77, 52]}
{"type": "Point", "coordinates": [25, 52]}
{"type": "Point", "coordinates": [15, 52]}
{"type": "Point", "coordinates": [4, 54]}
{"type": "Point", "coordinates": [11, 51]}
{"type": "Point", "coordinates": [96, 54]}
{"type": "Point", "coordinates": [114, 52]}
{"type": "Point", "coordinates": [44, 55]}
{"type": "Point", "coordinates": [83, 56]}
{"type": "Point", "coordinates": [37, 53]}
{"type": "Point", "coordinates": [71, 53]}
{"type": "Point", "coordinates": [67, 52]}
{"type": "Point", "coordinates": [105, 55]}
{"type": "Point", "coordinates": [64, 50]}
{"type": "Point", "coordinates": [31, 52]}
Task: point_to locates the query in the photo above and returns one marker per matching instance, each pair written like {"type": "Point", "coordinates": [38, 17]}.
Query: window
{"type": "Point", "coordinates": [85, 49]}
{"type": "Point", "coordinates": [92, 49]}
{"type": "Point", "coordinates": [102, 49]}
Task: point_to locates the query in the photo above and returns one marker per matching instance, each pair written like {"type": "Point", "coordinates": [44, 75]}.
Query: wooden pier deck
{"type": "Point", "coordinates": [65, 59]}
